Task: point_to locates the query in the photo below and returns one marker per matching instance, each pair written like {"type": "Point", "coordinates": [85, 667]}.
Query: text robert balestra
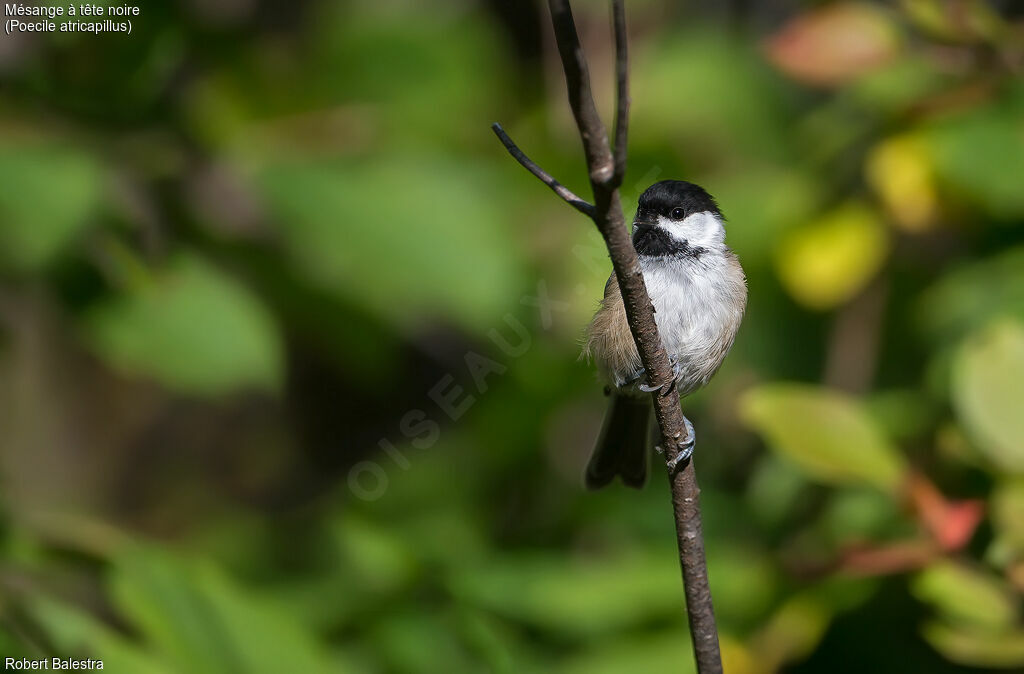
{"type": "Point", "coordinates": [58, 664]}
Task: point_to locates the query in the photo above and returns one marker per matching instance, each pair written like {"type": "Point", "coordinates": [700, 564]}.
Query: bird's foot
{"type": "Point", "coordinates": [647, 388]}
{"type": "Point", "coordinates": [639, 379]}
{"type": "Point", "coordinates": [664, 388]}
{"type": "Point", "coordinates": [685, 448]}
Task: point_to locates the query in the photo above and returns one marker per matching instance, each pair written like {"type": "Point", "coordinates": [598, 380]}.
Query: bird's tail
{"type": "Point", "coordinates": [622, 446]}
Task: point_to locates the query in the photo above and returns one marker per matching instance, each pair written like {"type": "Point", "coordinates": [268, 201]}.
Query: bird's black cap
{"type": "Point", "coordinates": [663, 197]}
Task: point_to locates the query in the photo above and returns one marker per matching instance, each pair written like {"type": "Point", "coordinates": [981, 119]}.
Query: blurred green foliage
{"type": "Point", "coordinates": [288, 345]}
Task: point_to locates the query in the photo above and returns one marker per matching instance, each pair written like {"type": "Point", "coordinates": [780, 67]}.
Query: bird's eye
{"type": "Point", "coordinates": [677, 213]}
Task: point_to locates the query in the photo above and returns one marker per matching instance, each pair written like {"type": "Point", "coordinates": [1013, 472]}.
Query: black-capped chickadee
{"type": "Point", "coordinates": [699, 294]}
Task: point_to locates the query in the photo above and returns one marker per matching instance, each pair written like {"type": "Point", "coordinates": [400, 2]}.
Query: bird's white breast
{"type": "Point", "coordinates": [698, 305]}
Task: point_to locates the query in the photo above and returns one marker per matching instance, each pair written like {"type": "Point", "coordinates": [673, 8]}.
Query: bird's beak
{"type": "Point", "coordinates": [640, 223]}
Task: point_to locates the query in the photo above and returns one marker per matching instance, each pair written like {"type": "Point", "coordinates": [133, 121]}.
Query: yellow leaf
{"type": "Point", "coordinates": [900, 171]}
{"type": "Point", "coordinates": [976, 647]}
{"type": "Point", "coordinates": [964, 21]}
{"type": "Point", "coordinates": [737, 658]}
{"type": "Point", "coordinates": [792, 632]}
{"type": "Point", "coordinates": [966, 595]}
{"type": "Point", "coordinates": [826, 262]}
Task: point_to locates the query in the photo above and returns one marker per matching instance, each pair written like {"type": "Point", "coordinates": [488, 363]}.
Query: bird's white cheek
{"type": "Point", "coordinates": [699, 229]}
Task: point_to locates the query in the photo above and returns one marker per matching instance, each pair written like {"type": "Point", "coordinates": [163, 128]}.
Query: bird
{"type": "Point", "coordinates": [699, 293]}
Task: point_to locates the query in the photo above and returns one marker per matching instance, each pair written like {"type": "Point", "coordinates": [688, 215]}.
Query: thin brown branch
{"type": "Point", "coordinates": [621, 91]}
{"type": "Point", "coordinates": [577, 76]}
{"type": "Point", "coordinates": [607, 215]}
{"type": "Point", "coordinates": [558, 188]}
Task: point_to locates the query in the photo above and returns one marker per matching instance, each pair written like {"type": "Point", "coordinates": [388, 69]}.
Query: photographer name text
{"type": "Point", "coordinates": [57, 664]}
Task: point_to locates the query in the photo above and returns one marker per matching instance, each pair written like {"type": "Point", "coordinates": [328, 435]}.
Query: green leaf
{"type": "Point", "coordinates": [981, 152]}
{"type": "Point", "coordinates": [192, 328]}
{"type": "Point", "coordinates": [379, 561]}
{"type": "Point", "coordinates": [988, 387]}
{"type": "Point", "coordinates": [977, 648]}
{"type": "Point", "coordinates": [417, 642]}
{"type": "Point", "coordinates": [389, 236]}
{"type": "Point", "coordinates": [492, 640]}
{"type": "Point", "coordinates": [775, 489]}
{"type": "Point", "coordinates": [412, 69]}
{"type": "Point", "coordinates": [859, 513]}
{"type": "Point", "coordinates": [972, 296]}
{"type": "Point", "coordinates": [841, 594]}
{"type": "Point", "coordinates": [1007, 514]}
{"type": "Point", "coordinates": [203, 622]}
{"type": "Point", "coordinates": [965, 595]}
{"type": "Point", "coordinates": [745, 118]}
{"type": "Point", "coordinates": [826, 433]}
{"type": "Point", "coordinates": [667, 651]}
{"type": "Point", "coordinates": [901, 413]}
{"type": "Point", "coordinates": [79, 635]}
{"type": "Point", "coordinates": [744, 582]}
{"type": "Point", "coordinates": [897, 85]}
{"type": "Point", "coordinates": [559, 595]}
{"type": "Point", "coordinates": [49, 196]}
{"type": "Point", "coordinates": [160, 598]}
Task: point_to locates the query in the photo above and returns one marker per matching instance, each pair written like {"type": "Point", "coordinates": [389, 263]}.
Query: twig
{"type": "Point", "coordinates": [605, 171]}
{"type": "Point", "coordinates": [621, 91]}
{"type": "Point", "coordinates": [558, 188]}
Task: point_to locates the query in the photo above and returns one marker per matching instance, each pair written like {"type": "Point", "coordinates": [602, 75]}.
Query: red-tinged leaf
{"type": "Point", "coordinates": [962, 518]}
{"type": "Point", "coordinates": [950, 523]}
{"type": "Point", "coordinates": [834, 44]}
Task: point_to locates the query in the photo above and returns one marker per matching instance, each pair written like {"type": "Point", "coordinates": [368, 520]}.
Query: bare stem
{"type": "Point", "coordinates": [558, 188]}
{"type": "Point", "coordinates": [605, 171]}
{"type": "Point", "coordinates": [621, 91]}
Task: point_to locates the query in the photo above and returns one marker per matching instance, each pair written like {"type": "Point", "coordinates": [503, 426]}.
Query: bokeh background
{"type": "Point", "coordinates": [289, 375]}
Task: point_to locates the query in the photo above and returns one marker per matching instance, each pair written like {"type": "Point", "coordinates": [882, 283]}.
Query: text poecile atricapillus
{"type": "Point", "coordinates": [699, 294]}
